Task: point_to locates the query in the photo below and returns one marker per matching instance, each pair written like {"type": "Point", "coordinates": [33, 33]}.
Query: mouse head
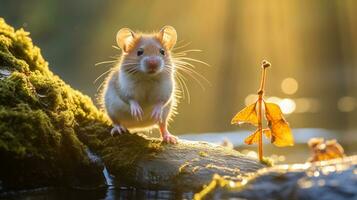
{"type": "Point", "coordinates": [147, 53]}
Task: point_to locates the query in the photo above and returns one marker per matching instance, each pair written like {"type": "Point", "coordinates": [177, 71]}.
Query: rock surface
{"type": "Point", "coordinates": [186, 166]}
{"type": "Point", "coordinates": [334, 179]}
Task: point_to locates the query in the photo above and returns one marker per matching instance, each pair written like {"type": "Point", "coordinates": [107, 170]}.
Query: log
{"type": "Point", "coordinates": [188, 165]}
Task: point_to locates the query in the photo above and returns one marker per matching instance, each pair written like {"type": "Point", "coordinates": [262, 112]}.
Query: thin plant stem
{"type": "Point", "coordinates": [265, 65]}
{"type": "Point", "coordinates": [260, 127]}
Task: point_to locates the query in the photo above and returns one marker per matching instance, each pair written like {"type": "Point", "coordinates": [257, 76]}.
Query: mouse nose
{"type": "Point", "coordinates": [152, 64]}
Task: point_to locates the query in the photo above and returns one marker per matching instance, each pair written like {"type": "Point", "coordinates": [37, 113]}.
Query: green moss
{"type": "Point", "coordinates": [120, 158]}
{"type": "Point", "coordinates": [203, 154]}
{"type": "Point", "coordinates": [40, 117]}
{"type": "Point", "coordinates": [267, 161]}
{"type": "Point", "coordinates": [183, 168]}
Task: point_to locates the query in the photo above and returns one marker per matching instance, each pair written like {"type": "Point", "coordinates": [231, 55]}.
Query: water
{"type": "Point", "coordinates": [108, 177]}
{"type": "Point", "coordinates": [301, 136]}
{"type": "Point", "coordinates": [96, 159]}
{"type": "Point", "coordinates": [298, 153]}
{"type": "Point", "coordinates": [103, 193]}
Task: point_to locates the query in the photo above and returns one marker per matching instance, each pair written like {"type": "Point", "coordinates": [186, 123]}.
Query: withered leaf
{"type": "Point", "coordinates": [267, 132]}
{"type": "Point", "coordinates": [273, 112]}
{"type": "Point", "coordinates": [281, 134]}
{"type": "Point", "coordinates": [253, 138]}
{"type": "Point", "coordinates": [280, 131]}
{"type": "Point", "coordinates": [325, 150]}
{"type": "Point", "coordinates": [247, 115]}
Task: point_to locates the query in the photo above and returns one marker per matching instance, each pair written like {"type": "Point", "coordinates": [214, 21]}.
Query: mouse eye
{"type": "Point", "coordinates": [162, 51]}
{"type": "Point", "coordinates": [140, 52]}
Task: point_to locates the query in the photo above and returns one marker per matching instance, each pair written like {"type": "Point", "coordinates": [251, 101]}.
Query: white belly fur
{"type": "Point", "coordinates": [146, 95]}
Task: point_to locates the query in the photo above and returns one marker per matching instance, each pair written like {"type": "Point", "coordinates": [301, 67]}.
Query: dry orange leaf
{"type": "Point", "coordinates": [273, 112]}
{"type": "Point", "coordinates": [254, 138]}
{"type": "Point", "coordinates": [325, 150]}
{"type": "Point", "coordinates": [280, 131]}
{"type": "Point", "coordinates": [267, 132]}
{"type": "Point", "coordinates": [247, 115]}
{"type": "Point", "coordinates": [281, 135]}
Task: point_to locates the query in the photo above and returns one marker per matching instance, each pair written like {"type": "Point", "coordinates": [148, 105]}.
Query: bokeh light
{"type": "Point", "coordinates": [303, 105]}
{"type": "Point", "coordinates": [276, 100]}
{"type": "Point", "coordinates": [251, 98]}
{"type": "Point", "coordinates": [346, 104]}
{"type": "Point", "coordinates": [289, 86]}
{"type": "Point", "coordinates": [287, 106]}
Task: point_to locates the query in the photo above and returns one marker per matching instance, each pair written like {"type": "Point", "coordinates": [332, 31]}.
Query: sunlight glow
{"type": "Point", "coordinates": [287, 106]}
{"type": "Point", "coordinates": [276, 100]}
{"type": "Point", "coordinates": [250, 99]}
{"type": "Point", "coordinates": [252, 154]}
{"type": "Point", "coordinates": [289, 86]}
{"type": "Point", "coordinates": [303, 105]}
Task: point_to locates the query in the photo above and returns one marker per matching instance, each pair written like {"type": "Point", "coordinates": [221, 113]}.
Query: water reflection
{"type": "Point", "coordinates": [109, 193]}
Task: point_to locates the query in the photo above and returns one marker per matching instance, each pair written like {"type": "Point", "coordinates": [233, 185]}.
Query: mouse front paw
{"type": "Point", "coordinates": [118, 129]}
{"type": "Point", "coordinates": [157, 113]}
{"type": "Point", "coordinates": [136, 111]}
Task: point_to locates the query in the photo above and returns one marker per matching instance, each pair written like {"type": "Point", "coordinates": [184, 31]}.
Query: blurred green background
{"type": "Point", "coordinates": [312, 46]}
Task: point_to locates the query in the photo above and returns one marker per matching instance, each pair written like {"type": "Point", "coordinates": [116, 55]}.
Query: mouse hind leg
{"type": "Point", "coordinates": [166, 135]}
{"type": "Point", "coordinates": [163, 126]}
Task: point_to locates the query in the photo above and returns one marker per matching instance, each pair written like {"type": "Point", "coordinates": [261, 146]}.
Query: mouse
{"type": "Point", "coordinates": [139, 93]}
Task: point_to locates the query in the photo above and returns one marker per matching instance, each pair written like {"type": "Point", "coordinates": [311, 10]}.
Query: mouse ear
{"type": "Point", "coordinates": [124, 37]}
{"type": "Point", "coordinates": [168, 36]}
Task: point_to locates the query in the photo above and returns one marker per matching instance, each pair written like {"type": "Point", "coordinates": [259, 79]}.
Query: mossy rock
{"type": "Point", "coordinates": [40, 118]}
{"type": "Point", "coordinates": [46, 128]}
{"type": "Point", "coordinates": [190, 165]}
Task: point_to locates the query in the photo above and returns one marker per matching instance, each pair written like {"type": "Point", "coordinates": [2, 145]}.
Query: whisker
{"type": "Point", "coordinates": [182, 81]}
{"type": "Point", "coordinates": [180, 89]}
{"type": "Point", "coordinates": [131, 59]}
{"type": "Point", "coordinates": [132, 63]}
{"type": "Point", "coordinates": [116, 47]}
{"type": "Point", "coordinates": [184, 53]}
{"type": "Point", "coordinates": [193, 77]}
{"type": "Point", "coordinates": [101, 85]}
{"type": "Point", "coordinates": [117, 57]}
{"type": "Point", "coordinates": [108, 71]}
{"type": "Point", "coordinates": [131, 70]}
{"type": "Point", "coordinates": [190, 50]}
{"type": "Point", "coordinates": [192, 59]}
{"type": "Point", "coordinates": [179, 66]}
{"type": "Point", "coordinates": [180, 62]}
{"type": "Point", "coordinates": [128, 64]}
{"type": "Point", "coordinates": [182, 46]}
{"type": "Point", "coordinates": [105, 62]}
{"type": "Point", "coordinates": [103, 74]}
